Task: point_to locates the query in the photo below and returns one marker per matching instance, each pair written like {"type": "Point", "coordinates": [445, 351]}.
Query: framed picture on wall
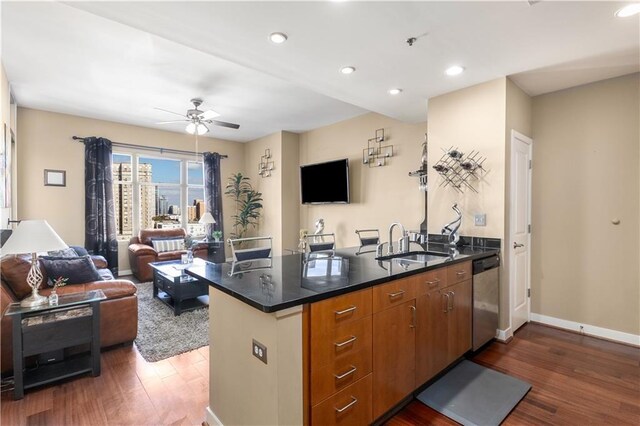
{"type": "Point", "coordinates": [55, 177]}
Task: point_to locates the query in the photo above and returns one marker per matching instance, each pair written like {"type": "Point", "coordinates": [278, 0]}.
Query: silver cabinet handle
{"type": "Point", "coordinates": [434, 282]}
{"type": "Point", "coordinates": [346, 342]}
{"type": "Point", "coordinates": [461, 273]}
{"type": "Point", "coordinates": [343, 375]}
{"type": "Point", "coordinates": [516, 245]}
{"type": "Point", "coordinates": [346, 407]}
{"type": "Point", "coordinates": [396, 294]}
{"type": "Point", "coordinates": [452, 300]}
{"type": "Point", "coordinates": [413, 317]}
{"type": "Point", "coordinates": [345, 311]}
{"type": "Point", "coordinates": [446, 308]}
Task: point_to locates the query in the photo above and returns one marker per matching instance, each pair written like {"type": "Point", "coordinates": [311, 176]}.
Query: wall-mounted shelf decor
{"type": "Point", "coordinates": [266, 166]}
{"type": "Point", "coordinates": [457, 168]}
{"type": "Point", "coordinates": [376, 154]}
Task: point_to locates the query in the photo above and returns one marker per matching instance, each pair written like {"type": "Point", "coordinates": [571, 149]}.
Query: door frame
{"type": "Point", "coordinates": [519, 136]}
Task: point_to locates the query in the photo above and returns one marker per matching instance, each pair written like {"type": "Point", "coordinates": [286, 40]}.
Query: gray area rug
{"type": "Point", "coordinates": [472, 394]}
{"type": "Point", "coordinates": [162, 335]}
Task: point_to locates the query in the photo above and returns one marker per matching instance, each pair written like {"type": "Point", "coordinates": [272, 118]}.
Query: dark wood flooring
{"type": "Point", "coordinates": [576, 380]}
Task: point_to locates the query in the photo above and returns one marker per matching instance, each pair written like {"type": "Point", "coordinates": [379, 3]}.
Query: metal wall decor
{"type": "Point", "coordinates": [266, 165]}
{"type": "Point", "coordinates": [376, 154]}
{"type": "Point", "coordinates": [457, 168]}
{"type": "Point", "coordinates": [421, 173]}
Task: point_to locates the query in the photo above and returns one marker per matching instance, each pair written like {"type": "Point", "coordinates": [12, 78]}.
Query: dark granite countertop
{"type": "Point", "coordinates": [274, 284]}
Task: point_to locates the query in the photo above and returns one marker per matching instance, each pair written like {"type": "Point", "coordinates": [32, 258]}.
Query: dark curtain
{"type": "Point", "coordinates": [100, 220]}
{"type": "Point", "coordinates": [213, 188]}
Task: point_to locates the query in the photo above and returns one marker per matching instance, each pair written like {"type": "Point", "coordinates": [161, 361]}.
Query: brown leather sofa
{"type": "Point", "coordinates": [118, 313]}
{"type": "Point", "coordinates": [141, 251]}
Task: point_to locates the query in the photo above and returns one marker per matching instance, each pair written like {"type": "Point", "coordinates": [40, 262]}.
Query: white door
{"type": "Point", "coordinates": [519, 229]}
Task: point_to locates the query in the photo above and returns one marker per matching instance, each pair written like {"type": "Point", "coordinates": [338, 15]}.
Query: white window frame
{"type": "Point", "coordinates": [136, 185]}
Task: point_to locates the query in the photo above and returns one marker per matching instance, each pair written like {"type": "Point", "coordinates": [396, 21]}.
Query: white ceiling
{"type": "Point", "coordinates": [147, 54]}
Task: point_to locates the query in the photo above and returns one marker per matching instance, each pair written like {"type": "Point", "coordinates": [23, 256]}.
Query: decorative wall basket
{"type": "Point", "coordinates": [457, 169]}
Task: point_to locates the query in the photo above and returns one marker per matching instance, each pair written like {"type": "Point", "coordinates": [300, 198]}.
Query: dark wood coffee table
{"type": "Point", "coordinates": [173, 287]}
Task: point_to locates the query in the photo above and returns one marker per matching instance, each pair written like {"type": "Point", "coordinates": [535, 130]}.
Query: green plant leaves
{"type": "Point", "coordinates": [248, 204]}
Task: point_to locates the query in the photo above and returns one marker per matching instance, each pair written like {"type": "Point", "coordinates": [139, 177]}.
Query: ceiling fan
{"type": "Point", "coordinates": [197, 120]}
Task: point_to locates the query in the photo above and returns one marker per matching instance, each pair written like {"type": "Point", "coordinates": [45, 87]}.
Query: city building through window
{"type": "Point", "coordinates": [152, 193]}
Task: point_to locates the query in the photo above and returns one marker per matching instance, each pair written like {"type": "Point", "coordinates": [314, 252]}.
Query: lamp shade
{"type": "Point", "coordinates": [207, 218]}
{"type": "Point", "coordinates": [32, 236]}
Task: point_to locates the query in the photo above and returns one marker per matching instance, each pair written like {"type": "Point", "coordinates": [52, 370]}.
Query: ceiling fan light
{"type": "Point", "coordinates": [191, 128]}
{"type": "Point", "coordinates": [201, 129]}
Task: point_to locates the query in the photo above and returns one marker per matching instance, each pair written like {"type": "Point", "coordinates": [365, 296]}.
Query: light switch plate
{"type": "Point", "coordinates": [259, 351]}
{"type": "Point", "coordinates": [480, 219]}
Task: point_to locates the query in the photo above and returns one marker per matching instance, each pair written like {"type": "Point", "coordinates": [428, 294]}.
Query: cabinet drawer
{"type": "Point", "coordinates": [331, 378]}
{"type": "Point", "coordinates": [340, 342]}
{"type": "Point", "coordinates": [394, 293]}
{"type": "Point", "coordinates": [458, 273]}
{"type": "Point", "coordinates": [351, 406]}
{"type": "Point", "coordinates": [341, 310]}
{"type": "Point", "coordinates": [432, 280]}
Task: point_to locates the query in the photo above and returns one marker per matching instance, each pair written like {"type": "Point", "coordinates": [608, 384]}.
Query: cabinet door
{"type": "Point", "coordinates": [459, 319]}
{"type": "Point", "coordinates": [394, 355]}
{"type": "Point", "coordinates": [432, 348]}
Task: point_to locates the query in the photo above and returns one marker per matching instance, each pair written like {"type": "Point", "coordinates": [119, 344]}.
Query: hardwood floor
{"type": "Point", "coordinates": [130, 391]}
{"type": "Point", "coordinates": [577, 380]}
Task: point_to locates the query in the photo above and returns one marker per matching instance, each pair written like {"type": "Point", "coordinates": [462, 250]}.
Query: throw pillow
{"type": "Point", "coordinates": [78, 270]}
{"type": "Point", "coordinates": [68, 252]}
{"type": "Point", "coordinates": [162, 245]}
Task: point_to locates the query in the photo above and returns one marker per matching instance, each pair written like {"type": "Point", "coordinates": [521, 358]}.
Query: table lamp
{"type": "Point", "coordinates": [33, 236]}
{"type": "Point", "coordinates": [208, 220]}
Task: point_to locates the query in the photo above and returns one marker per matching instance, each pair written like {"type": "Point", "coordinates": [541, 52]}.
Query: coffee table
{"type": "Point", "coordinates": [173, 287]}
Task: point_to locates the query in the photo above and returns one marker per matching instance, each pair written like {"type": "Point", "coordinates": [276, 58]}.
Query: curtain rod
{"type": "Point", "coordinates": [148, 148]}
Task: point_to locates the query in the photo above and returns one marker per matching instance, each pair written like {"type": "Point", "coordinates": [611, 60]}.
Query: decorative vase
{"type": "Point", "coordinates": [53, 298]}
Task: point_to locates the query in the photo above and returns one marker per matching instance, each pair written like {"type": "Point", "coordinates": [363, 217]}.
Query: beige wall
{"type": "Point", "coordinates": [470, 119]}
{"type": "Point", "coordinates": [290, 189]}
{"type": "Point", "coordinates": [242, 389]}
{"type": "Point", "coordinates": [45, 143]}
{"type": "Point", "coordinates": [379, 196]}
{"type": "Point", "coordinates": [8, 122]}
{"type": "Point", "coordinates": [585, 174]}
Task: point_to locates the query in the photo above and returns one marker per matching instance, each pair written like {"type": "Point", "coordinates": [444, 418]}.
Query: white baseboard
{"type": "Point", "coordinates": [504, 335]}
{"type": "Point", "coordinates": [211, 417]}
{"type": "Point", "coordinates": [589, 330]}
{"type": "Point", "coordinates": [123, 273]}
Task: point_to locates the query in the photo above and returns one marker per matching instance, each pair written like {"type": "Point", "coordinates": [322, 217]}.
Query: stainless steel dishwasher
{"type": "Point", "coordinates": [486, 299]}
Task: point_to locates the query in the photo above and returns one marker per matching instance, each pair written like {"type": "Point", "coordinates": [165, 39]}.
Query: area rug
{"type": "Point", "coordinates": [472, 394]}
{"type": "Point", "coordinates": [162, 335]}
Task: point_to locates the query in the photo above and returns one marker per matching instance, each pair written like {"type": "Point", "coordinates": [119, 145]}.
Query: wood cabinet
{"type": "Point", "coordinates": [351, 406]}
{"type": "Point", "coordinates": [443, 329]}
{"type": "Point", "coordinates": [394, 356]}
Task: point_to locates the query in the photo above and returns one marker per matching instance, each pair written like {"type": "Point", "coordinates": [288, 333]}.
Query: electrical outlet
{"type": "Point", "coordinates": [480, 219]}
{"type": "Point", "coordinates": [259, 351]}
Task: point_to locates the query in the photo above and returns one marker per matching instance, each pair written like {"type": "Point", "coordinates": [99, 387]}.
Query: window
{"type": "Point", "coordinates": [123, 195]}
{"type": "Point", "coordinates": [157, 192]}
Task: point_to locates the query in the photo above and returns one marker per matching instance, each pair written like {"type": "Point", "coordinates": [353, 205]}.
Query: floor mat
{"type": "Point", "coordinates": [472, 394]}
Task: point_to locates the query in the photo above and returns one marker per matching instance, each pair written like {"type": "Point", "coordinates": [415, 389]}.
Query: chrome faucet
{"type": "Point", "coordinates": [451, 228]}
{"type": "Point", "coordinates": [403, 242]}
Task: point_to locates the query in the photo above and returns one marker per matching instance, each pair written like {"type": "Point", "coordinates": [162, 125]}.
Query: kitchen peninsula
{"type": "Point", "coordinates": [338, 338]}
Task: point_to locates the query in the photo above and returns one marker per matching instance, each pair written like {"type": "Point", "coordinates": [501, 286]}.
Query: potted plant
{"type": "Point", "coordinates": [248, 204]}
{"type": "Point", "coordinates": [217, 235]}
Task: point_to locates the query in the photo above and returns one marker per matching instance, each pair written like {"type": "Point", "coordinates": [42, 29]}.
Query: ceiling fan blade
{"type": "Point", "coordinates": [225, 124]}
{"type": "Point", "coordinates": [208, 115]}
{"type": "Point", "coordinates": [171, 122]}
{"type": "Point", "coordinates": [170, 112]}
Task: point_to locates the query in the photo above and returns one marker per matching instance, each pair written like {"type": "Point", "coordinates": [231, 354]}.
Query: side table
{"type": "Point", "coordinates": [74, 321]}
{"type": "Point", "coordinates": [215, 250]}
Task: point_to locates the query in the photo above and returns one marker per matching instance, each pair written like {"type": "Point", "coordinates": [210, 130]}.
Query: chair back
{"type": "Point", "coordinates": [368, 237]}
{"type": "Point", "coordinates": [263, 250]}
{"type": "Point", "coordinates": [316, 242]}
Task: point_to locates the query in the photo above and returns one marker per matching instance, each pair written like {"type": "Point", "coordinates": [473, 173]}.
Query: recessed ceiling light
{"type": "Point", "coordinates": [395, 91]}
{"type": "Point", "coordinates": [347, 70]}
{"type": "Point", "coordinates": [628, 10]}
{"type": "Point", "coordinates": [454, 70]}
{"type": "Point", "coordinates": [278, 38]}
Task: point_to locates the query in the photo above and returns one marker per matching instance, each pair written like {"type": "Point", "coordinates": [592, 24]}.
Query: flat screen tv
{"type": "Point", "coordinates": [325, 183]}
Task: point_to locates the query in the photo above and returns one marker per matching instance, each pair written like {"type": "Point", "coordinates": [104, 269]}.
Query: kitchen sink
{"type": "Point", "coordinates": [415, 256]}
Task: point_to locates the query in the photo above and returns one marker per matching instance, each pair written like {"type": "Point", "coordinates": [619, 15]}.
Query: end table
{"type": "Point", "coordinates": [74, 321]}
